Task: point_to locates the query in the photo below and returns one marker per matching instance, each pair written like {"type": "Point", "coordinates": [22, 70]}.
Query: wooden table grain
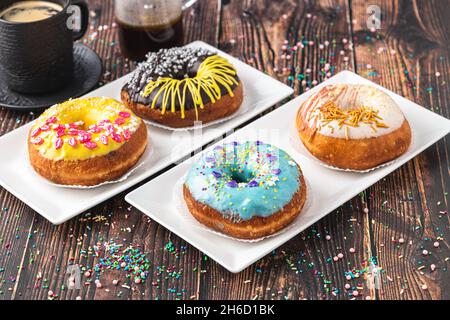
{"type": "Point", "coordinates": [407, 211]}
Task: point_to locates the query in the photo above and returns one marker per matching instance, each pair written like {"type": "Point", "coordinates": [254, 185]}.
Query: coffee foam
{"type": "Point", "coordinates": [30, 11]}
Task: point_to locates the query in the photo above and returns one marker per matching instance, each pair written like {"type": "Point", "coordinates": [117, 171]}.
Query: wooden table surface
{"type": "Point", "coordinates": [407, 211]}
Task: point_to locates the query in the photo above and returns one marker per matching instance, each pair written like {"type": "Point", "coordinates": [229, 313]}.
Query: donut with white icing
{"type": "Point", "coordinates": [353, 126]}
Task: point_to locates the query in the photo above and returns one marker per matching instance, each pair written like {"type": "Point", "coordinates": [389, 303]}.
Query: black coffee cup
{"type": "Point", "coordinates": [37, 57]}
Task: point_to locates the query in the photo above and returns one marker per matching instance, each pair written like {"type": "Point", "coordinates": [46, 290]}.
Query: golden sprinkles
{"type": "Point", "coordinates": [350, 118]}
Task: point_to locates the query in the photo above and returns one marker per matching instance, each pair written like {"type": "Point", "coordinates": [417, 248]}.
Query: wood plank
{"type": "Point", "coordinates": [16, 219]}
{"type": "Point", "coordinates": [404, 56]}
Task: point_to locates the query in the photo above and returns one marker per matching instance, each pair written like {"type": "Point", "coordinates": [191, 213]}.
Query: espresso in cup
{"type": "Point", "coordinates": [36, 43]}
{"type": "Point", "coordinates": [29, 11]}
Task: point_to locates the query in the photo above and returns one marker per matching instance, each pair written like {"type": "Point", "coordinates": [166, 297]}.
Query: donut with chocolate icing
{"type": "Point", "coordinates": [354, 127]}
{"type": "Point", "coordinates": [177, 87]}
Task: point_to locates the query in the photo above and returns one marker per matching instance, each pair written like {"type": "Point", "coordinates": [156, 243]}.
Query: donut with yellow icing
{"type": "Point", "coordinates": [86, 141]}
{"type": "Point", "coordinates": [180, 86]}
{"type": "Point", "coordinates": [353, 126]}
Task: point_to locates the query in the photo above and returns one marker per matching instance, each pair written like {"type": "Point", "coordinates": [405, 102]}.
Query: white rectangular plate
{"type": "Point", "coordinates": [60, 204]}
{"type": "Point", "coordinates": [327, 188]}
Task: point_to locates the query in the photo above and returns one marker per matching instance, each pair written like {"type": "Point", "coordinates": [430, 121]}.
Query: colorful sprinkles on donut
{"type": "Point", "coordinates": [243, 180]}
{"type": "Point", "coordinates": [83, 128]}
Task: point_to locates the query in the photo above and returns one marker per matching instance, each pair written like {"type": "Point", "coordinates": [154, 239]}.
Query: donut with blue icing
{"type": "Point", "coordinates": [246, 190]}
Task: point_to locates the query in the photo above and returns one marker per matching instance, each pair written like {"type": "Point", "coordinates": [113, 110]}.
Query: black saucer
{"type": "Point", "coordinates": [88, 70]}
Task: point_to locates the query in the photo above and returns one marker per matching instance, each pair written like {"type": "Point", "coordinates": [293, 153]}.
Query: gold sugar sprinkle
{"type": "Point", "coordinates": [350, 118]}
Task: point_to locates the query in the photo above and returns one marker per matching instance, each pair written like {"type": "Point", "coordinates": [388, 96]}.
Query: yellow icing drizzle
{"type": "Point", "coordinates": [212, 73]}
{"type": "Point", "coordinates": [84, 112]}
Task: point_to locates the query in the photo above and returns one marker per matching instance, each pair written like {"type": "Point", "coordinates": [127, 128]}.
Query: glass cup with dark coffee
{"type": "Point", "coordinates": [36, 43]}
{"type": "Point", "coordinates": [149, 25]}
